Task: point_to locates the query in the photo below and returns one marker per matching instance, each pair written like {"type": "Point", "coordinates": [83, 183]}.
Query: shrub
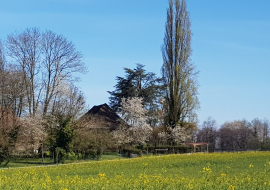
{"type": "Point", "coordinates": [72, 156]}
{"type": "Point", "coordinates": [94, 152]}
{"type": "Point", "coordinates": [131, 150]}
{"type": "Point", "coordinates": [60, 155]}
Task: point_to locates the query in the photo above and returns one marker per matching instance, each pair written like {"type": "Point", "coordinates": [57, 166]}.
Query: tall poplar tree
{"type": "Point", "coordinates": [178, 71]}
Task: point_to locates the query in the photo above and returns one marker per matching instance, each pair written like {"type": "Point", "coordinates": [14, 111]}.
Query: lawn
{"type": "Point", "coordinates": [249, 170]}
{"type": "Point", "coordinates": [29, 162]}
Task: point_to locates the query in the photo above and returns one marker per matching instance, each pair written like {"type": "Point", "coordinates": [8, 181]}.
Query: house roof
{"type": "Point", "coordinates": [102, 116]}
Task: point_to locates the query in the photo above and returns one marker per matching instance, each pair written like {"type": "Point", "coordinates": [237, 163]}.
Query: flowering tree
{"type": "Point", "coordinates": [32, 132]}
{"type": "Point", "coordinates": [176, 135]}
{"type": "Point", "coordinates": [134, 114]}
{"type": "Point", "coordinates": [133, 111]}
{"type": "Point", "coordinates": [122, 135]}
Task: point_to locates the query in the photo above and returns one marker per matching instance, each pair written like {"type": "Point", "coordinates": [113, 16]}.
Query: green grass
{"type": "Point", "coordinates": [29, 162]}
{"type": "Point", "coordinates": [250, 170]}
{"type": "Point", "coordinates": [26, 162]}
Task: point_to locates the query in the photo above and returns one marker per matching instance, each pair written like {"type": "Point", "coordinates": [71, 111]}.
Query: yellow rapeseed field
{"type": "Point", "coordinates": [249, 170]}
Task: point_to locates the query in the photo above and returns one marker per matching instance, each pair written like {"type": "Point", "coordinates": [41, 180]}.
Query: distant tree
{"type": "Point", "coordinates": [265, 135]}
{"type": "Point", "coordinates": [260, 133]}
{"type": "Point", "coordinates": [138, 83]}
{"type": "Point", "coordinates": [177, 134]}
{"type": "Point", "coordinates": [234, 136]}
{"type": "Point", "coordinates": [178, 71]}
{"type": "Point", "coordinates": [208, 133]}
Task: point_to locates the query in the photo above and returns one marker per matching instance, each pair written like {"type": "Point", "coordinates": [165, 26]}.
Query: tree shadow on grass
{"type": "Point", "coordinates": [33, 163]}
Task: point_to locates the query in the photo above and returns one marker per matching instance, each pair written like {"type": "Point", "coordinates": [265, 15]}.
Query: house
{"type": "Point", "coordinates": [102, 117]}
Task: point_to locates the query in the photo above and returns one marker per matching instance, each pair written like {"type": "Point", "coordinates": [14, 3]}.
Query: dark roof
{"type": "Point", "coordinates": [103, 116]}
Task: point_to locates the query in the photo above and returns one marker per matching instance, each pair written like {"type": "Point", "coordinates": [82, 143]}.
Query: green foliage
{"type": "Point", "coordinates": [60, 155]}
{"type": "Point", "coordinates": [95, 152]}
{"type": "Point", "coordinates": [65, 136]}
{"type": "Point", "coordinates": [91, 143]}
{"type": "Point", "coordinates": [60, 137]}
{"type": "Point", "coordinates": [71, 156]}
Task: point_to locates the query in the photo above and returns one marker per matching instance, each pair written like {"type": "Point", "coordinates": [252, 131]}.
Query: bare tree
{"type": "Point", "coordinates": [234, 136]}
{"type": "Point", "coordinates": [208, 133]}
{"type": "Point", "coordinates": [260, 131]}
{"type": "Point", "coordinates": [46, 61]}
{"type": "Point", "coordinates": [178, 71]}
{"type": "Point", "coordinates": [25, 49]}
{"type": "Point", "coordinates": [12, 92]}
{"type": "Point", "coordinates": [265, 134]}
{"type": "Point", "coordinates": [60, 61]}
{"type": "Point", "coordinates": [68, 100]}
{"type": "Point", "coordinates": [2, 57]}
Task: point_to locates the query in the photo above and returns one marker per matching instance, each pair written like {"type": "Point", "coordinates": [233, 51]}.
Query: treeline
{"type": "Point", "coordinates": [240, 135]}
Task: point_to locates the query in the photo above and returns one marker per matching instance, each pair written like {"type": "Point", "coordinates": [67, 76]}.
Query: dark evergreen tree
{"type": "Point", "coordinates": [138, 83]}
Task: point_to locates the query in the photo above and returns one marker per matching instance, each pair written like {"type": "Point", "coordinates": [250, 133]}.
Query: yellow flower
{"type": "Point", "coordinates": [251, 166]}
{"type": "Point", "coordinates": [145, 164]}
{"type": "Point", "coordinates": [231, 187]}
{"type": "Point", "coordinates": [190, 186]}
{"type": "Point", "coordinates": [207, 169]}
{"type": "Point", "coordinates": [101, 175]}
{"type": "Point", "coordinates": [223, 175]}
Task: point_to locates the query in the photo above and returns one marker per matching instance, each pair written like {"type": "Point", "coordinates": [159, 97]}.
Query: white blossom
{"type": "Point", "coordinates": [139, 131]}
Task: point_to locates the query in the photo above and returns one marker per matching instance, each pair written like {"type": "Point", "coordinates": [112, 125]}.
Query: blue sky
{"type": "Point", "coordinates": [231, 46]}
